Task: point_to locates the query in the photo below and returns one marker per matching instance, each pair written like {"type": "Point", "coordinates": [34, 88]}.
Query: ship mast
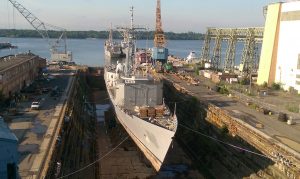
{"type": "Point", "coordinates": [131, 18]}
{"type": "Point", "coordinates": [130, 45]}
{"type": "Point", "coordinates": [131, 34]}
{"type": "Point", "coordinates": [128, 34]}
{"type": "Point", "coordinates": [110, 36]}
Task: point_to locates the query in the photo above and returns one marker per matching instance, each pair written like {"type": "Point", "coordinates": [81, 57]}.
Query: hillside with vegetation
{"type": "Point", "coordinates": [13, 33]}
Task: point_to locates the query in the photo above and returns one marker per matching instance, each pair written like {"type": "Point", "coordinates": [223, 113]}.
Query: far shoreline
{"type": "Point", "coordinates": [142, 35]}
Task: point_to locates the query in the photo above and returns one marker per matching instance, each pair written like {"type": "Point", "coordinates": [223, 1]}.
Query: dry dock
{"type": "Point", "coordinates": [91, 136]}
{"type": "Point", "coordinates": [85, 130]}
{"type": "Point", "coordinates": [124, 162]}
{"type": "Point", "coordinates": [127, 161]}
{"type": "Point", "coordinates": [200, 109]}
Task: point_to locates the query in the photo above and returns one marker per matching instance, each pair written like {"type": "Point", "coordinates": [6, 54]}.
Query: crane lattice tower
{"type": "Point", "coordinates": [159, 36]}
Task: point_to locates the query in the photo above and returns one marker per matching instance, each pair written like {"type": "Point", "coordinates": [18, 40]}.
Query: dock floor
{"type": "Point", "coordinates": [128, 161]}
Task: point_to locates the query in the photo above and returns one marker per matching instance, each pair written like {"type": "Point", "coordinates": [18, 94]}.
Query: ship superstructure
{"type": "Point", "coordinates": [112, 49]}
{"type": "Point", "coordinates": [139, 106]}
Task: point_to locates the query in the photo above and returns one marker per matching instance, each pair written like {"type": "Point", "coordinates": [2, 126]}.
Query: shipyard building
{"type": "Point", "coordinates": [19, 71]}
{"type": "Point", "coordinates": [280, 56]}
{"type": "Point", "coordinates": [8, 152]}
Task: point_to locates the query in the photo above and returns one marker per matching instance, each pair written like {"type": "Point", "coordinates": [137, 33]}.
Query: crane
{"type": "Point", "coordinates": [159, 36]}
{"type": "Point", "coordinates": [41, 27]}
{"type": "Point", "coordinates": [159, 52]}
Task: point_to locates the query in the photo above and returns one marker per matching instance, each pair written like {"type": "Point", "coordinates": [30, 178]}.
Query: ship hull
{"type": "Point", "coordinates": [152, 140]}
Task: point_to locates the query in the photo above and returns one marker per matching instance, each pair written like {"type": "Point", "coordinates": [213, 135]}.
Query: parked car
{"type": "Point", "coordinates": [35, 105]}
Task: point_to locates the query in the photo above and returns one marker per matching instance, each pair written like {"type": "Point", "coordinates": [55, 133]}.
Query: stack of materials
{"type": "Point", "coordinates": [151, 112]}
{"type": "Point", "coordinates": [143, 112]}
{"type": "Point", "coordinates": [159, 110]}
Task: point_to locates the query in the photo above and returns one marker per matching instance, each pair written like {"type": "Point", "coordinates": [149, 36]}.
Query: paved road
{"type": "Point", "coordinates": [286, 134]}
{"type": "Point", "coordinates": [31, 126]}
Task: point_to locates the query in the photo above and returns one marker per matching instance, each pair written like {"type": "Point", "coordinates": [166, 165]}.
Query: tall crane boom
{"type": "Point", "coordinates": [40, 27]}
{"type": "Point", "coordinates": [159, 52]}
{"type": "Point", "coordinates": [36, 23]}
{"type": "Point", "coordinates": [158, 17]}
{"type": "Point", "coordinates": [159, 36]}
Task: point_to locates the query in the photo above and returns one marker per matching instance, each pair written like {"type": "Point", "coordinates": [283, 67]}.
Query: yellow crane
{"type": "Point", "coordinates": [159, 52]}
{"type": "Point", "coordinates": [159, 36]}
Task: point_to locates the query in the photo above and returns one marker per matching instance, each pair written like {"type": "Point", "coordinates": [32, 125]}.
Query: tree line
{"type": "Point", "coordinates": [15, 33]}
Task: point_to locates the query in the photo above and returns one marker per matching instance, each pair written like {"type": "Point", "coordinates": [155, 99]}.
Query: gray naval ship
{"type": "Point", "coordinates": [112, 49]}
{"type": "Point", "coordinates": [138, 102]}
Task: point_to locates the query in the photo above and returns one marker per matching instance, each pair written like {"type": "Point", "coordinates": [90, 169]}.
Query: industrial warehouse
{"type": "Point", "coordinates": [280, 56]}
{"type": "Point", "coordinates": [19, 71]}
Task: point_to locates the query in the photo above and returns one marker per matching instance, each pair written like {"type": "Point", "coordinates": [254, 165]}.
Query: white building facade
{"type": "Point", "coordinates": [288, 56]}
{"type": "Point", "coordinates": [280, 57]}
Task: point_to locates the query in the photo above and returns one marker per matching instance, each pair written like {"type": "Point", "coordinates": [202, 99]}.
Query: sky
{"type": "Point", "coordinates": [177, 15]}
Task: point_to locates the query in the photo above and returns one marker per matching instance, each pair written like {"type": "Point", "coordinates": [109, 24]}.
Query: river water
{"type": "Point", "coordinates": [91, 52]}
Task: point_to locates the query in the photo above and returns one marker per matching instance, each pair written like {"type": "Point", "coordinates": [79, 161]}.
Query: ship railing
{"type": "Point", "coordinates": [170, 123]}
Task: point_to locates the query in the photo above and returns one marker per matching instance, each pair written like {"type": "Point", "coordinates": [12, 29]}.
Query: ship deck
{"type": "Point", "coordinates": [167, 121]}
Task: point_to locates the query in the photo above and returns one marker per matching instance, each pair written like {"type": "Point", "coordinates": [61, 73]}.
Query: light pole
{"type": "Point", "coordinates": [250, 86]}
{"type": "Point", "coordinates": [279, 74]}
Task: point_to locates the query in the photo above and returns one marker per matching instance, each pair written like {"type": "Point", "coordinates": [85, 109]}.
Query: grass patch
{"type": "Point", "coordinates": [253, 106]}
{"type": "Point", "coordinates": [276, 86]}
{"type": "Point", "coordinates": [223, 89]}
{"type": "Point", "coordinates": [292, 108]}
{"type": "Point", "coordinates": [196, 70]}
{"type": "Point", "coordinates": [264, 85]}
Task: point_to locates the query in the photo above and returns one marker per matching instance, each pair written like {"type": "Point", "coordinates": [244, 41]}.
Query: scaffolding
{"type": "Point", "coordinates": [251, 37]}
